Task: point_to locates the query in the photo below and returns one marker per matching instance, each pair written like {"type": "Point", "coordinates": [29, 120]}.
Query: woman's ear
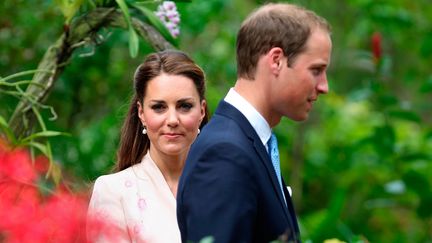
{"type": "Point", "coordinates": [203, 109]}
{"type": "Point", "coordinates": [140, 112]}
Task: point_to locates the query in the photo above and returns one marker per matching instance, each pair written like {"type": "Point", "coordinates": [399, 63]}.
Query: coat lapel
{"type": "Point", "coordinates": [226, 109]}
{"type": "Point", "coordinates": [293, 218]}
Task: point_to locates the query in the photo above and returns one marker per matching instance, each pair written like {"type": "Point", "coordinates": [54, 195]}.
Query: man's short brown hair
{"type": "Point", "coordinates": [281, 25]}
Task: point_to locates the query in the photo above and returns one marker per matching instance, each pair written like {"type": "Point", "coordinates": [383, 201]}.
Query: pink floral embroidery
{"type": "Point", "coordinates": [103, 214]}
{"type": "Point", "coordinates": [142, 204]}
{"type": "Point", "coordinates": [128, 183]}
{"type": "Point", "coordinates": [137, 229]}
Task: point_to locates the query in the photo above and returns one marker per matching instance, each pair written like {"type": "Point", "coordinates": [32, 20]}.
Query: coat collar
{"type": "Point", "coordinates": [227, 110]}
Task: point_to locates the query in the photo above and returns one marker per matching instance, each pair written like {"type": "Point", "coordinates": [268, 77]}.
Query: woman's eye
{"type": "Point", "coordinates": [158, 107]}
{"type": "Point", "coordinates": [185, 106]}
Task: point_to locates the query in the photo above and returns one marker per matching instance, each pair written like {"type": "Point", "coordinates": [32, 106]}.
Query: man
{"type": "Point", "coordinates": [229, 188]}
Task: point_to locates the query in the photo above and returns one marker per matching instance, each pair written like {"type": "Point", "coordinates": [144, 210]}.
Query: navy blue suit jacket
{"type": "Point", "coordinates": [229, 189]}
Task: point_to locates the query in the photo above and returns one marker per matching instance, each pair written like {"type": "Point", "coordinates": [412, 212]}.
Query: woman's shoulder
{"type": "Point", "coordinates": [114, 179]}
{"type": "Point", "coordinates": [115, 175]}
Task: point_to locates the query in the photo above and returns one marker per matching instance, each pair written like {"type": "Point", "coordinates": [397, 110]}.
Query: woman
{"type": "Point", "coordinates": [164, 118]}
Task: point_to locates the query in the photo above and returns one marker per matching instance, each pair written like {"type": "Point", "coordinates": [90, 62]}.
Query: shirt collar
{"type": "Point", "coordinates": [257, 121]}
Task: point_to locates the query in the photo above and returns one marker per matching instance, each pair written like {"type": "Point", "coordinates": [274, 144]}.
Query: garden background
{"type": "Point", "coordinates": [360, 167]}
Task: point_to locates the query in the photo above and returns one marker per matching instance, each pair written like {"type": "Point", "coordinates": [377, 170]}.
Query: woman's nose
{"type": "Point", "coordinates": [172, 119]}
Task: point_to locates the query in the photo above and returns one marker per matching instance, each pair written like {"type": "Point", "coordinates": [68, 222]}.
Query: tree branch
{"type": "Point", "coordinates": [58, 55]}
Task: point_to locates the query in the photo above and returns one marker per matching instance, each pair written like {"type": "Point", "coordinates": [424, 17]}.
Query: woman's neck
{"type": "Point", "coordinates": [171, 167]}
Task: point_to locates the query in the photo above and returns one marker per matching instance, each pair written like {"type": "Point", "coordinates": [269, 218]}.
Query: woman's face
{"type": "Point", "coordinates": [172, 113]}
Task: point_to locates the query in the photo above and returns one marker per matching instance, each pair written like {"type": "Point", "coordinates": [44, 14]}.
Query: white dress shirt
{"type": "Point", "coordinates": [257, 121]}
{"type": "Point", "coordinates": [259, 124]}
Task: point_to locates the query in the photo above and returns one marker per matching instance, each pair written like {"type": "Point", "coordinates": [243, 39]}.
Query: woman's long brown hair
{"type": "Point", "coordinates": [133, 144]}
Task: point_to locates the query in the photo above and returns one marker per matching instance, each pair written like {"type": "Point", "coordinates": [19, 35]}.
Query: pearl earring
{"type": "Point", "coordinates": [199, 131]}
{"type": "Point", "coordinates": [144, 131]}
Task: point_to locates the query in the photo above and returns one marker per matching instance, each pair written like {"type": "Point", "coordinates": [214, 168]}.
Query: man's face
{"type": "Point", "coordinates": [297, 87]}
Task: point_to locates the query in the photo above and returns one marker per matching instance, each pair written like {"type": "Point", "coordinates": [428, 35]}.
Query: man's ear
{"type": "Point", "coordinates": [275, 57]}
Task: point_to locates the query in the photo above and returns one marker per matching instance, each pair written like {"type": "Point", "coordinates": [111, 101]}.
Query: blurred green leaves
{"type": "Point", "coordinates": [360, 166]}
{"type": "Point", "coordinates": [69, 8]}
{"type": "Point", "coordinates": [15, 89]}
{"type": "Point", "coordinates": [133, 37]}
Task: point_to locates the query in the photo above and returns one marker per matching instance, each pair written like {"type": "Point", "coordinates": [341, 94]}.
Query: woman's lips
{"type": "Point", "coordinates": [172, 135]}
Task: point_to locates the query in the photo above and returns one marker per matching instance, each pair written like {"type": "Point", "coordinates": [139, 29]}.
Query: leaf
{"type": "Point", "coordinates": [39, 146]}
{"type": "Point", "coordinates": [23, 73]}
{"type": "Point", "coordinates": [428, 135]}
{"type": "Point", "coordinates": [62, 4]}
{"type": "Point", "coordinates": [384, 139]}
{"type": "Point", "coordinates": [426, 46]}
{"type": "Point", "coordinates": [124, 8]}
{"type": "Point", "coordinates": [39, 118]}
{"type": "Point", "coordinates": [5, 127]}
{"type": "Point", "coordinates": [409, 157]}
{"type": "Point", "coordinates": [387, 100]}
{"type": "Point", "coordinates": [424, 210]}
{"type": "Point", "coordinates": [54, 169]}
{"type": "Point", "coordinates": [42, 134]}
{"type": "Point", "coordinates": [133, 42]}
{"type": "Point", "coordinates": [55, 172]}
{"type": "Point", "coordinates": [157, 23]}
{"type": "Point", "coordinates": [69, 8]}
{"type": "Point", "coordinates": [133, 38]}
{"type": "Point", "coordinates": [426, 87]}
{"type": "Point", "coordinates": [416, 181]}
{"type": "Point", "coordinates": [405, 115]}
{"type": "Point", "coordinates": [332, 214]}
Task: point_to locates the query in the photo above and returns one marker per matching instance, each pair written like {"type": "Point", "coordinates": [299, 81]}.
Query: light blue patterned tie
{"type": "Point", "coordinates": [274, 155]}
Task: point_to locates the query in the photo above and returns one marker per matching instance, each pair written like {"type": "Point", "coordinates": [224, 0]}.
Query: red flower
{"type": "Point", "coordinates": [26, 215]}
{"type": "Point", "coordinates": [376, 44]}
{"type": "Point", "coordinates": [16, 165]}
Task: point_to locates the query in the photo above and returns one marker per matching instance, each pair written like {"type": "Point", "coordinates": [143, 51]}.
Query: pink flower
{"type": "Point", "coordinates": [169, 5]}
{"type": "Point", "coordinates": [168, 14]}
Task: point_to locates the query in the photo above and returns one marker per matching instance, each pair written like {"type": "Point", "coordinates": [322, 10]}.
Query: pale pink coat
{"type": "Point", "coordinates": [139, 201]}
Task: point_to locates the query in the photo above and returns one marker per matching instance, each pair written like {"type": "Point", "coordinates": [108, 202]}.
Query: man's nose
{"type": "Point", "coordinates": [322, 85]}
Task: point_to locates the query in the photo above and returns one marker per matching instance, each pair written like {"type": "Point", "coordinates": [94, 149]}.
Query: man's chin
{"type": "Point", "coordinates": [301, 117]}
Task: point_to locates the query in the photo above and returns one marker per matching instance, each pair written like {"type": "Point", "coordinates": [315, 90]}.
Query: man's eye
{"type": "Point", "coordinates": [317, 71]}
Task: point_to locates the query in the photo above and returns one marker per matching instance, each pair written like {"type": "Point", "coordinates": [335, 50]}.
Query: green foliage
{"type": "Point", "coordinates": [14, 89]}
{"type": "Point", "coordinates": [359, 167]}
{"type": "Point", "coordinates": [69, 8]}
{"type": "Point", "coordinates": [133, 37]}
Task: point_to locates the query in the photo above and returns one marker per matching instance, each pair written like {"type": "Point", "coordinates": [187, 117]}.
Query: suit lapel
{"type": "Point", "coordinates": [293, 218]}
{"type": "Point", "coordinates": [225, 109]}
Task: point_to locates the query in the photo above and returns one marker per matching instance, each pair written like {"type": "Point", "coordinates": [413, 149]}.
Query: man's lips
{"type": "Point", "coordinates": [311, 101]}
